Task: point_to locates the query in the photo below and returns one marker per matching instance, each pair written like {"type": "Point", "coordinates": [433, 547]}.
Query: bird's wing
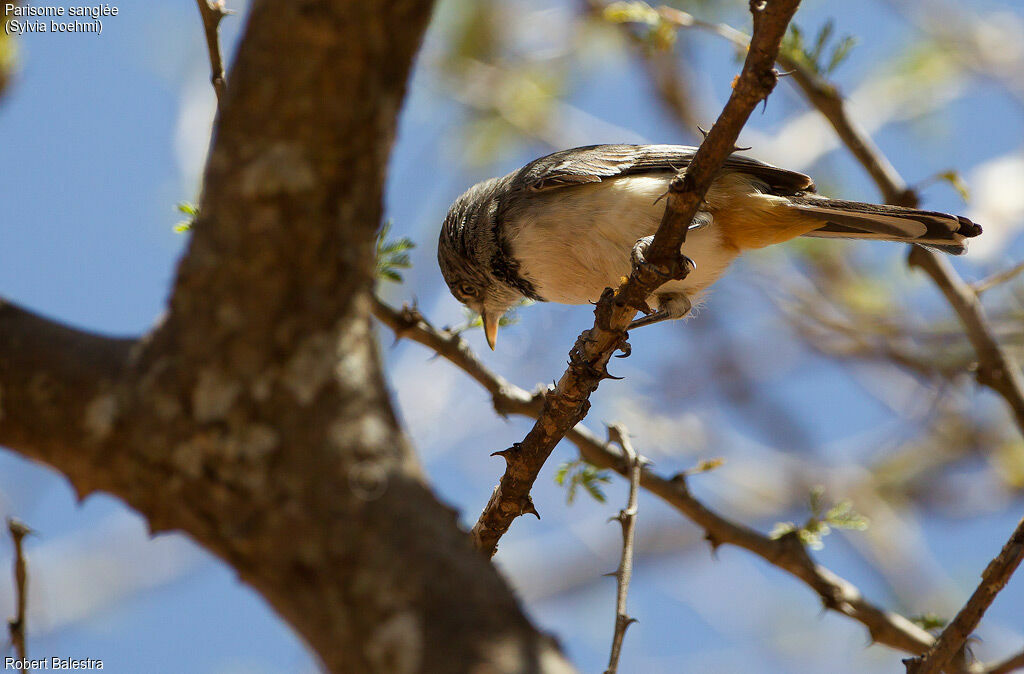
{"type": "Point", "coordinates": [595, 163]}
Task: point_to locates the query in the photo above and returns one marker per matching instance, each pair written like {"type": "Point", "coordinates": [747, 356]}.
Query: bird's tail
{"type": "Point", "coordinates": [854, 220]}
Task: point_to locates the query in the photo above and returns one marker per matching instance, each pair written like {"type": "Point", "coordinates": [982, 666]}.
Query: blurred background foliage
{"type": "Point", "coordinates": [829, 386]}
{"type": "Point", "coordinates": [818, 367]}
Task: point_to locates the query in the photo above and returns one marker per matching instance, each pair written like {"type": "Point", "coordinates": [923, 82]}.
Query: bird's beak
{"type": "Point", "coordinates": [490, 328]}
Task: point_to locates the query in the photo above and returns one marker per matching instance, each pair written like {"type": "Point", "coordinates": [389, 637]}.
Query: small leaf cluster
{"type": "Point", "coordinates": [580, 474]}
{"type": "Point", "coordinates": [822, 519]}
{"type": "Point", "coordinates": [957, 182]}
{"type": "Point", "coordinates": [191, 212]}
{"type": "Point", "coordinates": [392, 255]}
{"type": "Point", "coordinates": [705, 466]}
{"type": "Point", "coordinates": [661, 34]}
{"type": "Point", "coordinates": [813, 56]}
{"type": "Point", "coordinates": [929, 621]}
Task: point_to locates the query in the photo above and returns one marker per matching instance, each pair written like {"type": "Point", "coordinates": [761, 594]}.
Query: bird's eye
{"type": "Point", "coordinates": [468, 290]}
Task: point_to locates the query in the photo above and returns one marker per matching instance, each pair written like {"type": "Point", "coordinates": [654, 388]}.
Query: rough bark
{"type": "Point", "coordinates": [255, 417]}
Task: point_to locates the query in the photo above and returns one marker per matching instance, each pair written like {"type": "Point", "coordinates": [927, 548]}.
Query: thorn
{"type": "Point", "coordinates": [785, 74]}
{"type": "Point", "coordinates": [703, 131]}
{"type": "Point", "coordinates": [829, 602]}
{"type": "Point", "coordinates": [737, 148]}
{"type": "Point", "coordinates": [610, 574]}
{"type": "Point", "coordinates": [631, 621]}
{"type": "Point", "coordinates": [530, 508]}
{"type": "Point", "coordinates": [713, 542]}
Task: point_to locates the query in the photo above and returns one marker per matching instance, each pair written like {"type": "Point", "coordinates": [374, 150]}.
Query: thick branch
{"type": "Point", "coordinates": [838, 594]}
{"type": "Point", "coordinates": [568, 403]}
{"type": "Point", "coordinates": [255, 417]}
{"type": "Point", "coordinates": [993, 579]}
{"type": "Point", "coordinates": [58, 391]}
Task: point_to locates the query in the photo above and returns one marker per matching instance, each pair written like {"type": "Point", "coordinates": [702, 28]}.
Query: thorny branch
{"type": "Point", "coordinates": [568, 403]}
{"type": "Point", "coordinates": [16, 626]}
{"type": "Point", "coordinates": [627, 519]}
{"type": "Point", "coordinates": [786, 553]}
{"type": "Point", "coordinates": [997, 368]}
{"type": "Point", "coordinates": [212, 11]}
{"type": "Point", "coordinates": [956, 633]}
{"type": "Point", "coordinates": [255, 414]}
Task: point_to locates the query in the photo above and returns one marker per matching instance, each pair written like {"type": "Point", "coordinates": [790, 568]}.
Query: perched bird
{"type": "Point", "coordinates": [563, 227]}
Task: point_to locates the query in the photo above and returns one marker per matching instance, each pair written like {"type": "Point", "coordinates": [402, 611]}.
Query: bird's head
{"type": "Point", "coordinates": [468, 251]}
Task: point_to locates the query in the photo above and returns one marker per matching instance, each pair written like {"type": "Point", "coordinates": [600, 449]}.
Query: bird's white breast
{"type": "Point", "coordinates": [574, 242]}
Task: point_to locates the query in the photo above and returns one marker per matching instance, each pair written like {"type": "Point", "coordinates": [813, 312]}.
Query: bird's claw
{"type": "Point", "coordinates": [680, 268]}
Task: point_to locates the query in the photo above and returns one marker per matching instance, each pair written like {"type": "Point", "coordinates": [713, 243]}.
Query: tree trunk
{"type": "Point", "coordinates": [255, 417]}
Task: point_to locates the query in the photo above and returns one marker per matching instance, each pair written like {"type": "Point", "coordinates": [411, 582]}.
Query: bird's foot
{"type": "Point", "coordinates": [677, 270]}
{"type": "Point", "coordinates": [671, 306]}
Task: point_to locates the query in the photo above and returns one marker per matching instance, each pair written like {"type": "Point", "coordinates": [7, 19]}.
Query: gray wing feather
{"type": "Point", "coordinates": [595, 163]}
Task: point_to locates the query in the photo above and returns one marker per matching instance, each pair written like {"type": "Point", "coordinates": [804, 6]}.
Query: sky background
{"type": "Point", "coordinates": [103, 135]}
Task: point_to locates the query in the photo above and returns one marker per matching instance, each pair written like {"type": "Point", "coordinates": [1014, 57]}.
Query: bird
{"type": "Point", "coordinates": [564, 227]}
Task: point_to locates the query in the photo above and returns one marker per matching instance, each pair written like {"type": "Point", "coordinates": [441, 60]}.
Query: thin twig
{"type": "Point", "coordinates": [212, 11]}
{"type": "Point", "coordinates": [567, 404]}
{"type": "Point", "coordinates": [1010, 664]}
{"type": "Point", "coordinates": [16, 626]}
{"type": "Point", "coordinates": [997, 370]}
{"type": "Point", "coordinates": [627, 519]}
{"type": "Point", "coordinates": [954, 636]}
{"type": "Point", "coordinates": [998, 278]}
{"type": "Point", "coordinates": [786, 553]}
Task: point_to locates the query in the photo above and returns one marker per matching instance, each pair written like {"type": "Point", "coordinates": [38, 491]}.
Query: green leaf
{"type": "Point", "coordinates": [631, 12]}
{"type": "Point", "coordinates": [819, 44]}
{"type": "Point", "coordinates": [815, 500]}
{"type": "Point", "coordinates": [822, 519]}
{"type": "Point", "coordinates": [843, 516]}
{"type": "Point", "coordinates": [839, 54]}
{"type": "Point", "coordinates": [929, 621]}
{"type": "Point", "coordinates": [392, 255]}
{"type": "Point", "coordinates": [954, 179]}
{"type": "Point", "coordinates": [704, 466]}
{"type": "Point", "coordinates": [595, 491]}
{"type": "Point", "coordinates": [191, 211]}
{"type": "Point", "coordinates": [795, 47]}
{"type": "Point", "coordinates": [578, 473]}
